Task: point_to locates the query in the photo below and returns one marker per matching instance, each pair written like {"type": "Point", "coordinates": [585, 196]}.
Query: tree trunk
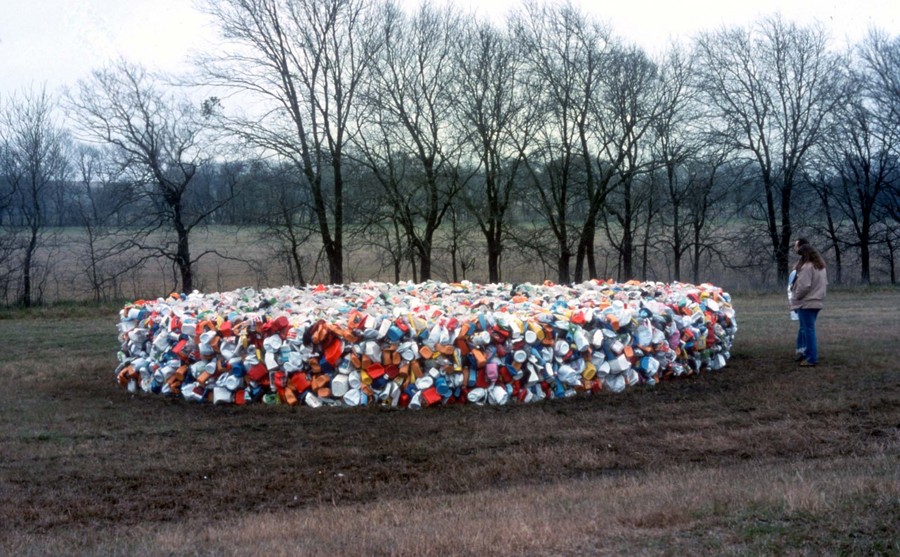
{"type": "Point", "coordinates": [26, 269]}
{"type": "Point", "coordinates": [696, 262]}
{"type": "Point", "coordinates": [424, 264]}
{"type": "Point", "coordinates": [782, 254]}
{"type": "Point", "coordinates": [627, 257]}
{"type": "Point", "coordinates": [864, 261]}
{"type": "Point", "coordinates": [591, 258]}
{"type": "Point", "coordinates": [891, 261]}
{"type": "Point", "coordinates": [676, 249]}
{"type": "Point", "coordinates": [493, 250]}
{"type": "Point", "coordinates": [298, 264]}
{"type": "Point", "coordinates": [865, 242]}
{"type": "Point", "coordinates": [183, 260]}
{"type": "Point", "coordinates": [424, 248]}
{"type": "Point", "coordinates": [580, 256]}
{"type": "Point", "coordinates": [336, 257]}
{"type": "Point", "coordinates": [183, 250]}
{"type": "Point", "coordinates": [627, 238]}
{"type": "Point", "coordinates": [565, 257]}
{"type": "Point", "coordinates": [585, 251]}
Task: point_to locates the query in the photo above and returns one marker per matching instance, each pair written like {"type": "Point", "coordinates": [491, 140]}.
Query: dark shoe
{"type": "Point", "coordinates": [804, 363]}
{"type": "Point", "coordinates": [799, 357]}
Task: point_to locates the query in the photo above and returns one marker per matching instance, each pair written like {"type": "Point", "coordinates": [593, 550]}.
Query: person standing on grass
{"type": "Point", "coordinates": [801, 343]}
{"type": "Point", "coordinates": [807, 299]}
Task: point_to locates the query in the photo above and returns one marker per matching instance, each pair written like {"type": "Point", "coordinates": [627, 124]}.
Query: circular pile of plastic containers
{"type": "Point", "coordinates": [414, 345]}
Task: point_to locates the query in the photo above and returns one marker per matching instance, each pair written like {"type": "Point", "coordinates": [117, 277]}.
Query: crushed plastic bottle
{"type": "Point", "coordinates": [419, 345]}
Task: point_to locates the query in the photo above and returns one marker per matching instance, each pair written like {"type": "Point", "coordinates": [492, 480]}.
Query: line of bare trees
{"type": "Point", "coordinates": [545, 142]}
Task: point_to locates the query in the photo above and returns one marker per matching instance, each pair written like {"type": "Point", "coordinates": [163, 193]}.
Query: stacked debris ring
{"type": "Point", "coordinates": [415, 345]}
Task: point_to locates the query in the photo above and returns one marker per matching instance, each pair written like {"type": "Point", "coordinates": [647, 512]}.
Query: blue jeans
{"type": "Point", "coordinates": [806, 336]}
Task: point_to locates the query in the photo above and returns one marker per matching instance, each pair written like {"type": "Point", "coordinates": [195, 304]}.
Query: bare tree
{"type": "Point", "coordinates": [392, 212]}
{"type": "Point", "coordinates": [564, 51]}
{"type": "Point", "coordinates": [98, 194]}
{"type": "Point", "coordinates": [32, 160]}
{"type": "Point", "coordinates": [863, 159]}
{"type": "Point", "coordinates": [300, 63]}
{"type": "Point", "coordinates": [599, 100]}
{"type": "Point", "coordinates": [160, 141]}
{"type": "Point", "coordinates": [461, 243]}
{"type": "Point", "coordinates": [7, 233]}
{"type": "Point", "coordinates": [498, 125]}
{"type": "Point", "coordinates": [677, 140]}
{"type": "Point", "coordinates": [711, 179]}
{"type": "Point", "coordinates": [628, 107]}
{"type": "Point", "coordinates": [771, 87]}
{"type": "Point", "coordinates": [287, 217]}
{"type": "Point", "coordinates": [824, 184]}
{"type": "Point", "coordinates": [386, 235]}
{"type": "Point", "coordinates": [407, 127]}
{"type": "Point", "coordinates": [880, 69]}
{"type": "Point", "coordinates": [880, 54]}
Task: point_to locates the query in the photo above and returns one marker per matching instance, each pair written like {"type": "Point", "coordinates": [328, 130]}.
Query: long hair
{"type": "Point", "coordinates": [808, 254]}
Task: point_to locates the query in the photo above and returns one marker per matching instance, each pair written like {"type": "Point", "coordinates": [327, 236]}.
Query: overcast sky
{"type": "Point", "coordinates": [56, 42]}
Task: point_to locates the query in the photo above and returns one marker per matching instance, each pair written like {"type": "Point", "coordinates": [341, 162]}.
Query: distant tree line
{"type": "Point", "coordinates": [353, 125]}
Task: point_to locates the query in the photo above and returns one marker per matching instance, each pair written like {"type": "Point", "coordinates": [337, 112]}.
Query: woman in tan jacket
{"type": "Point", "coordinates": [807, 299]}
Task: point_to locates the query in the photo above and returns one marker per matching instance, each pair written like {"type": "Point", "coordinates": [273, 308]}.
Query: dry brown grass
{"type": "Point", "coordinates": [805, 507]}
{"type": "Point", "coordinates": [761, 458]}
{"type": "Point", "coordinates": [250, 258]}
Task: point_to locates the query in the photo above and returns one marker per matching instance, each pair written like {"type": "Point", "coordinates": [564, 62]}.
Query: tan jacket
{"type": "Point", "coordinates": [809, 288]}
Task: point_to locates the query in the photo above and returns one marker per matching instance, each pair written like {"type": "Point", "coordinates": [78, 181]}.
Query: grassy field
{"type": "Point", "coordinates": [250, 258]}
{"type": "Point", "coordinates": [762, 457]}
